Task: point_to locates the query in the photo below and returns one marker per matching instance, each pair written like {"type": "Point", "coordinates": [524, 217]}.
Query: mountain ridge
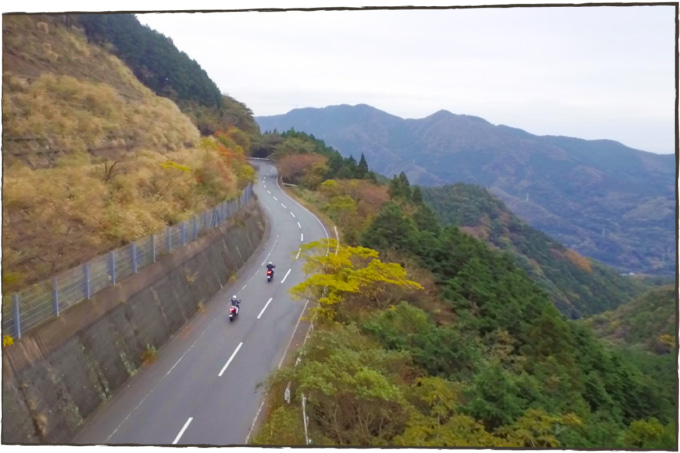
{"type": "Point", "coordinates": [599, 197]}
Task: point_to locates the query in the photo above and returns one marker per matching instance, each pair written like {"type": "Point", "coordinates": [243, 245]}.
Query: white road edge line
{"type": "Point", "coordinates": [286, 276]}
{"type": "Point", "coordinates": [230, 359]}
{"type": "Point", "coordinates": [152, 390]}
{"type": "Point", "coordinates": [265, 307]}
{"type": "Point", "coordinates": [186, 425]}
{"type": "Point", "coordinates": [257, 415]}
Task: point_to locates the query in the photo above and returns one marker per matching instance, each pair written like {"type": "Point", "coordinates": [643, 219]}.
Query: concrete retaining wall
{"type": "Point", "coordinates": [59, 374]}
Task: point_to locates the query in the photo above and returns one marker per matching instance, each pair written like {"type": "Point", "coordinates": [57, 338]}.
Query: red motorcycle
{"type": "Point", "coordinates": [233, 312]}
{"type": "Point", "coordinates": [270, 275]}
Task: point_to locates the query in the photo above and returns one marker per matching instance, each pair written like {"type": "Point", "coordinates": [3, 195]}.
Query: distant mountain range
{"type": "Point", "coordinates": [577, 286]}
{"type": "Point", "coordinates": [601, 198]}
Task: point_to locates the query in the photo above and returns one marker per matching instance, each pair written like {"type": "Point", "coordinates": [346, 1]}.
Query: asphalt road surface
{"type": "Point", "coordinates": [202, 388]}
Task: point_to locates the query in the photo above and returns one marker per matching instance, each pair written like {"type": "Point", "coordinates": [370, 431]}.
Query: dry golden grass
{"type": "Point", "coordinates": [109, 162]}
{"type": "Point", "coordinates": [58, 217]}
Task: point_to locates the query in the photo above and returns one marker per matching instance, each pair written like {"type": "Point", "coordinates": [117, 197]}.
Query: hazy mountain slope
{"type": "Point", "coordinates": [647, 322]}
{"type": "Point", "coordinates": [576, 285]}
{"type": "Point", "coordinates": [601, 198]}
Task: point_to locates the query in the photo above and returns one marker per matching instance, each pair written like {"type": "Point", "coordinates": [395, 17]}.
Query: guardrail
{"type": "Point", "coordinates": [44, 300]}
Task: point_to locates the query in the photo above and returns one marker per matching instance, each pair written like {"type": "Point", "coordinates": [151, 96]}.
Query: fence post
{"type": "Point", "coordinates": [168, 239]}
{"type": "Point", "coordinates": [133, 253]}
{"type": "Point", "coordinates": [55, 296]}
{"type": "Point", "coordinates": [17, 318]}
{"type": "Point", "coordinates": [304, 418]}
{"type": "Point", "coordinates": [86, 274]}
{"type": "Point", "coordinates": [153, 248]}
{"type": "Point", "coordinates": [195, 229]}
{"type": "Point", "coordinates": [112, 266]}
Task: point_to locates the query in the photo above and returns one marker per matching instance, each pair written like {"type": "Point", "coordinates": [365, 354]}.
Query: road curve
{"type": "Point", "coordinates": [202, 388]}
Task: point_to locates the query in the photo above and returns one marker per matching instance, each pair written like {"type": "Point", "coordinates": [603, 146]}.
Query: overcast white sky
{"type": "Point", "coordinates": [588, 72]}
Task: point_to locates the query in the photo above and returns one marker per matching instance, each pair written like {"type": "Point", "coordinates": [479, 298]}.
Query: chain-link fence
{"type": "Point", "coordinates": [26, 309]}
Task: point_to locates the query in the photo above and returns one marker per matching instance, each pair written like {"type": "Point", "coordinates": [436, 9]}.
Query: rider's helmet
{"type": "Point", "coordinates": [270, 263]}
{"type": "Point", "coordinates": [233, 297]}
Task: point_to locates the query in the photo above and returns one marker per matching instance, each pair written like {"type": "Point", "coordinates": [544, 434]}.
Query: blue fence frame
{"type": "Point", "coordinates": [44, 300]}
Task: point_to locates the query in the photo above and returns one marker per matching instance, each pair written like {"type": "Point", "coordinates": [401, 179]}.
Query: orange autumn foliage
{"type": "Point", "coordinates": [294, 167]}
{"type": "Point", "coordinates": [578, 260]}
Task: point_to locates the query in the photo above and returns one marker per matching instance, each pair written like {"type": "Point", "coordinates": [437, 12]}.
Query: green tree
{"type": "Point", "coordinates": [650, 434]}
{"type": "Point", "coordinates": [417, 196]}
{"type": "Point", "coordinates": [362, 168]}
{"type": "Point", "coordinates": [391, 229]}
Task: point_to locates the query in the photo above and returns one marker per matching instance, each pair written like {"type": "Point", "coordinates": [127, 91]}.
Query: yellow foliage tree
{"type": "Point", "coordinates": [350, 271]}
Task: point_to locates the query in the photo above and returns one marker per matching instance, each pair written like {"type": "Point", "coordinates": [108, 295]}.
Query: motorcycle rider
{"type": "Point", "coordinates": [235, 303]}
{"type": "Point", "coordinates": [271, 267]}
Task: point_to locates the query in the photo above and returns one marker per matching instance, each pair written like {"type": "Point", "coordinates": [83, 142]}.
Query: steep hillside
{"type": "Point", "coordinates": [578, 286]}
{"type": "Point", "coordinates": [600, 198]}
{"type": "Point", "coordinates": [425, 336]}
{"type": "Point", "coordinates": [160, 66]}
{"type": "Point", "coordinates": [92, 158]}
{"type": "Point", "coordinates": [647, 322]}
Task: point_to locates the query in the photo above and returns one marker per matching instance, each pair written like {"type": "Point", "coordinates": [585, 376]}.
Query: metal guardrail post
{"type": "Point", "coordinates": [86, 275]}
{"type": "Point", "coordinates": [168, 239]}
{"type": "Point", "coordinates": [153, 248]}
{"type": "Point", "coordinates": [112, 266]}
{"type": "Point", "coordinates": [17, 317]}
{"type": "Point", "coordinates": [55, 297]}
{"type": "Point", "coordinates": [133, 255]}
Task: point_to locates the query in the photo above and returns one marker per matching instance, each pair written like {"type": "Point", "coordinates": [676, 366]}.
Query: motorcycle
{"type": "Point", "coordinates": [233, 312]}
{"type": "Point", "coordinates": [270, 275]}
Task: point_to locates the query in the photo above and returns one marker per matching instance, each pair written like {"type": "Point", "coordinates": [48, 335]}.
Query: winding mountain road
{"type": "Point", "coordinates": [202, 388]}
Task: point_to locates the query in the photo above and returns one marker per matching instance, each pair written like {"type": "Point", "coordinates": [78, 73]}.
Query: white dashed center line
{"type": "Point", "coordinates": [284, 206]}
{"type": "Point", "coordinates": [186, 425]}
{"type": "Point", "coordinates": [230, 359]}
{"type": "Point", "coordinates": [276, 199]}
{"type": "Point", "coordinates": [302, 237]}
{"type": "Point", "coordinates": [265, 307]}
{"type": "Point", "coordinates": [286, 276]}
{"type": "Point", "coordinates": [291, 213]}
